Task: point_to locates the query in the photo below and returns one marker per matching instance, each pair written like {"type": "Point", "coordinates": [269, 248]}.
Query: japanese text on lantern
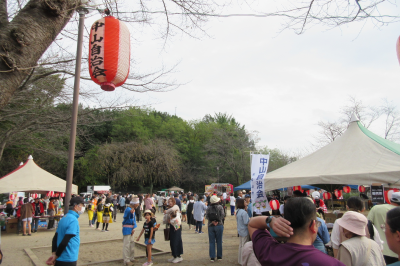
{"type": "Point", "coordinates": [95, 59]}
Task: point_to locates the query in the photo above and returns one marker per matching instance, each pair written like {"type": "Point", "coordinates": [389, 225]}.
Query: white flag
{"type": "Point", "coordinates": [259, 166]}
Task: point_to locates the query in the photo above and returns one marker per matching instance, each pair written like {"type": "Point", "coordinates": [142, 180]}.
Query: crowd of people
{"type": "Point", "coordinates": [355, 239]}
{"type": "Point", "coordinates": [30, 210]}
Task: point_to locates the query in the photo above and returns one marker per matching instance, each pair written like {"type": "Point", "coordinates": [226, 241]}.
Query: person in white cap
{"type": "Point", "coordinates": [128, 229]}
{"type": "Point", "coordinates": [214, 214]}
{"type": "Point", "coordinates": [358, 250]}
{"type": "Point", "coordinates": [377, 215]}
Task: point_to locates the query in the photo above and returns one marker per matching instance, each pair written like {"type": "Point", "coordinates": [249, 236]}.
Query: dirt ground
{"type": "Point", "coordinates": [195, 246]}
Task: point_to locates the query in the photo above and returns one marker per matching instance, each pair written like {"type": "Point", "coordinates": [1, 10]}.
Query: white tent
{"type": "Point", "coordinates": [357, 157]}
{"type": "Point", "coordinates": [29, 177]}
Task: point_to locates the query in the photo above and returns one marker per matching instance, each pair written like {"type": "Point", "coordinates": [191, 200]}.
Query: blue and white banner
{"type": "Point", "coordinates": [259, 166]}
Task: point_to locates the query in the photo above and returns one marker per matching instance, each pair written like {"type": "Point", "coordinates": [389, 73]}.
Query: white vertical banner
{"type": "Point", "coordinates": [259, 166]}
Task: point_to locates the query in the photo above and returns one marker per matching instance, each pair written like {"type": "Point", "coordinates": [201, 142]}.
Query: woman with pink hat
{"type": "Point", "coordinates": [358, 250]}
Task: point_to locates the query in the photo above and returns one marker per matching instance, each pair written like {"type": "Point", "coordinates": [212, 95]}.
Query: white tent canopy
{"type": "Point", "coordinates": [29, 177]}
{"type": "Point", "coordinates": [357, 157]}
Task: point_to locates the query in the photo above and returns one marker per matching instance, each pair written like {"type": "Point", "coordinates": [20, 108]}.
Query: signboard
{"type": "Point", "coordinates": [377, 195]}
{"type": "Point", "coordinates": [259, 166]}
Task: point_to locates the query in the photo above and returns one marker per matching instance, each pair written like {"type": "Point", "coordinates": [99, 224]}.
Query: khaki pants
{"type": "Point", "coordinates": [242, 240]}
{"type": "Point", "coordinates": [128, 251]}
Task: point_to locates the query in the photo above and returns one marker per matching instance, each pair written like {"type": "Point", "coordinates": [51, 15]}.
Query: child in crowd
{"type": "Point", "coordinates": [184, 207]}
{"type": "Point", "coordinates": [90, 210]}
{"type": "Point", "coordinates": [107, 214]}
{"type": "Point", "coordinates": [165, 204]}
{"type": "Point", "coordinates": [149, 235]}
{"type": "Point", "coordinates": [100, 207]}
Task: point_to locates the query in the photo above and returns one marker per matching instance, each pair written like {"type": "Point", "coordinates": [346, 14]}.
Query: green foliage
{"type": "Point", "coordinates": [140, 148]}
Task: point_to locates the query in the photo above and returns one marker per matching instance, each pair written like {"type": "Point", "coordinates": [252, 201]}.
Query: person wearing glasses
{"type": "Point", "coordinates": [300, 225]}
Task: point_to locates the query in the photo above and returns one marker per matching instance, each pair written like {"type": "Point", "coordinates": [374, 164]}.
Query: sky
{"type": "Point", "coordinates": [275, 82]}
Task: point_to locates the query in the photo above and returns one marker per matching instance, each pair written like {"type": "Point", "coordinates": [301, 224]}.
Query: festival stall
{"type": "Point", "coordinates": [357, 157]}
{"type": "Point", "coordinates": [29, 177]}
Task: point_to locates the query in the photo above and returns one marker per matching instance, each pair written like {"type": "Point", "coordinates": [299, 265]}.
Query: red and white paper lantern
{"type": "Point", "coordinates": [274, 204]}
{"type": "Point", "coordinates": [338, 193]}
{"type": "Point", "coordinates": [327, 195]}
{"type": "Point", "coordinates": [361, 189]}
{"type": "Point", "coordinates": [346, 189]}
{"type": "Point", "coordinates": [296, 188]}
{"type": "Point", "coordinates": [62, 195]}
{"type": "Point", "coordinates": [50, 194]}
{"type": "Point", "coordinates": [12, 196]}
{"type": "Point", "coordinates": [109, 53]}
{"type": "Point", "coordinates": [388, 194]}
{"type": "Point", "coordinates": [34, 195]}
{"type": "Point", "coordinates": [56, 195]}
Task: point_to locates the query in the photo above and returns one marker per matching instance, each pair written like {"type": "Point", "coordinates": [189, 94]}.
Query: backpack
{"type": "Point", "coordinates": [213, 214]}
{"type": "Point", "coordinates": [100, 207]}
{"type": "Point", "coordinates": [107, 209]}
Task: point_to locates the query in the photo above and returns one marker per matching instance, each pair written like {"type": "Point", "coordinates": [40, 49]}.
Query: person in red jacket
{"type": "Point", "coordinates": [38, 211]}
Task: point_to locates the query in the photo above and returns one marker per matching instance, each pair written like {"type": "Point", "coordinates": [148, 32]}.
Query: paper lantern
{"type": "Point", "coordinates": [361, 189]}
{"type": "Point", "coordinates": [109, 53]}
{"type": "Point", "coordinates": [327, 196]}
{"type": "Point", "coordinates": [296, 188]}
{"type": "Point", "coordinates": [56, 195]}
{"type": "Point", "coordinates": [12, 196]}
{"type": "Point", "coordinates": [274, 204]}
{"type": "Point", "coordinates": [34, 195]}
{"type": "Point", "coordinates": [346, 189]}
{"type": "Point", "coordinates": [62, 195]}
{"type": "Point", "coordinates": [388, 194]}
{"type": "Point", "coordinates": [338, 193]}
{"type": "Point", "coordinates": [50, 194]}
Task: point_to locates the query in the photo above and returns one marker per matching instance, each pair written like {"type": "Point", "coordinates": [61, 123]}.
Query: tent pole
{"type": "Point", "coordinates": [75, 104]}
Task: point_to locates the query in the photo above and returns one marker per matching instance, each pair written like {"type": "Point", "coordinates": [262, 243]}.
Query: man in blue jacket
{"type": "Point", "coordinates": [128, 229]}
{"type": "Point", "coordinates": [66, 241]}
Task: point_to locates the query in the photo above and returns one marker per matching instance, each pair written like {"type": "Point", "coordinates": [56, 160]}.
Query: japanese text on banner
{"type": "Point", "coordinates": [259, 166]}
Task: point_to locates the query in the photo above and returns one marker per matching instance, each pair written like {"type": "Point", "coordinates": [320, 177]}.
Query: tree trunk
{"type": "Point", "coordinates": [24, 39]}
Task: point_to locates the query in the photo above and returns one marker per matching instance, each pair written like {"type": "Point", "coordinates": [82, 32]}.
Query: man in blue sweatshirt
{"type": "Point", "coordinates": [66, 241]}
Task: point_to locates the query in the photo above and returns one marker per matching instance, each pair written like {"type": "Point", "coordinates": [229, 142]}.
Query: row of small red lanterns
{"type": "Point", "coordinates": [35, 195]}
{"type": "Point", "coordinates": [346, 189]}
